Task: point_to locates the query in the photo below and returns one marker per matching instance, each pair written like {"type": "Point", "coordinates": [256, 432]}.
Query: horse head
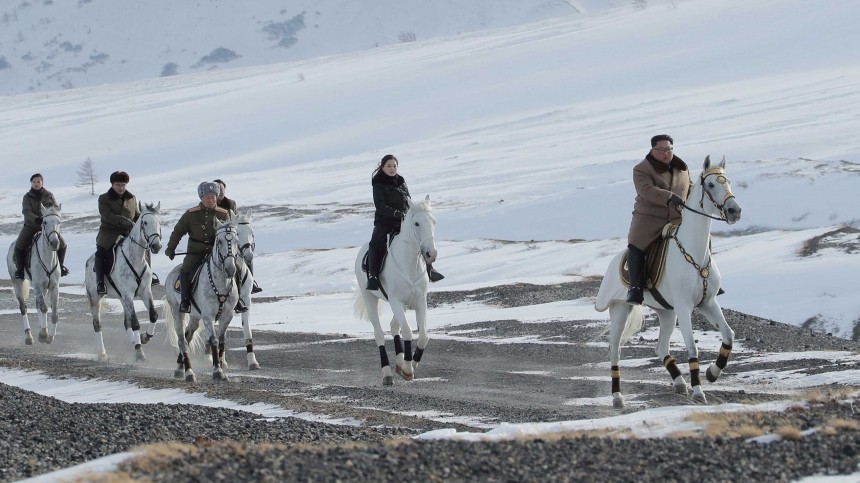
{"type": "Point", "coordinates": [422, 224]}
{"type": "Point", "coordinates": [51, 225]}
{"type": "Point", "coordinates": [246, 236]}
{"type": "Point", "coordinates": [226, 246]}
{"type": "Point", "coordinates": [150, 225]}
{"type": "Point", "coordinates": [716, 186]}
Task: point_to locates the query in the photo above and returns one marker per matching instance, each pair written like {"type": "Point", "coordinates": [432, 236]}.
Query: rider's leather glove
{"type": "Point", "coordinates": [675, 200]}
{"type": "Point", "coordinates": [170, 253]}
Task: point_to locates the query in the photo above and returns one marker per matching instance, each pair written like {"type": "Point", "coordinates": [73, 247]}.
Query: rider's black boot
{"type": "Point", "coordinates": [433, 274]}
{"type": "Point", "coordinates": [99, 268]}
{"type": "Point", "coordinates": [185, 292]}
{"type": "Point", "coordinates": [256, 288]}
{"type": "Point", "coordinates": [240, 308]}
{"type": "Point", "coordinates": [61, 255]}
{"type": "Point", "coordinates": [19, 264]}
{"type": "Point", "coordinates": [636, 269]}
{"type": "Point", "coordinates": [374, 260]}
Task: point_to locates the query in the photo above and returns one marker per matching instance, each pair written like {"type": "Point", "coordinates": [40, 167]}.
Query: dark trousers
{"type": "Point", "coordinates": [636, 266]}
{"type": "Point", "coordinates": [376, 250]}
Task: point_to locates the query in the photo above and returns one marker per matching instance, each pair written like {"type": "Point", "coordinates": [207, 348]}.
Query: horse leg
{"type": "Point", "coordinates": [153, 318]}
{"type": "Point", "coordinates": [371, 304]}
{"type": "Point", "coordinates": [714, 313]}
{"type": "Point", "coordinates": [42, 309]}
{"type": "Point", "coordinates": [212, 340]}
{"type": "Point", "coordinates": [423, 338]}
{"type": "Point", "coordinates": [667, 326]}
{"type": "Point", "coordinates": [249, 341]}
{"type": "Point", "coordinates": [403, 352]}
{"type": "Point", "coordinates": [96, 310]}
{"type": "Point", "coordinates": [685, 322]}
{"type": "Point", "coordinates": [54, 293]}
{"type": "Point", "coordinates": [183, 361]}
{"type": "Point", "coordinates": [618, 313]}
{"type": "Point", "coordinates": [22, 307]}
{"type": "Point", "coordinates": [132, 326]}
{"type": "Point", "coordinates": [222, 339]}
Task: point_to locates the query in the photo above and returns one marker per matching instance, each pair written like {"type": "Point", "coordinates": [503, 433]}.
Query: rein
{"type": "Point", "coordinates": [138, 276]}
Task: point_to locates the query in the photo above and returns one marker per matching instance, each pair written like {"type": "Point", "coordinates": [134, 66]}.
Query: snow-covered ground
{"type": "Point", "coordinates": [526, 133]}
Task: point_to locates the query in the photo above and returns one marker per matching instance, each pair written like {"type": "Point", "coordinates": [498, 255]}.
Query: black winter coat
{"type": "Point", "coordinates": [389, 195]}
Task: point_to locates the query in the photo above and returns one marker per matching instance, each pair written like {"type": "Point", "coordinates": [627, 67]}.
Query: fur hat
{"type": "Point", "coordinates": [208, 188]}
{"type": "Point", "coordinates": [119, 177]}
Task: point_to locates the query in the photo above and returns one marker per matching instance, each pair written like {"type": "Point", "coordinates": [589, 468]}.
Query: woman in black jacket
{"type": "Point", "coordinates": [389, 197]}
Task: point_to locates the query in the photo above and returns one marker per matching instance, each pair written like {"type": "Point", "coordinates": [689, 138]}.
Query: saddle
{"type": "Point", "coordinates": [364, 266]}
{"type": "Point", "coordinates": [195, 277]}
{"type": "Point", "coordinates": [27, 251]}
{"type": "Point", "coordinates": [655, 259]}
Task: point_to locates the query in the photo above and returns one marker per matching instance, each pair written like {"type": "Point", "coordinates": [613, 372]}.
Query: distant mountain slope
{"type": "Point", "coordinates": [61, 44]}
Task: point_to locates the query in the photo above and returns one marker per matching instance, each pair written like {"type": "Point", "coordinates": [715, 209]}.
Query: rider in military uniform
{"type": "Point", "coordinates": [199, 224]}
{"type": "Point", "coordinates": [31, 207]}
{"type": "Point", "coordinates": [230, 205]}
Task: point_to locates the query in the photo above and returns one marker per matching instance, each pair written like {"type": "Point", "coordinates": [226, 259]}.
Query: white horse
{"type": "Point", "coordinates": [691, 280]}
{"type": "Point", "coordinates": [43, 274]}
{"type": "Point", "coordinates": [404, 284]}
{"type": "Point", "coordinates": [130, 277]}
{"type": "Point", "coordinates": [213, 297]}
{"type": "Point", "coordinates": [245, 282]}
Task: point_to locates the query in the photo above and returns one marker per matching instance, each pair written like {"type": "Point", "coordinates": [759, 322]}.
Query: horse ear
{"type": "Point", "coordinates": [158, 207]}
{"type": "Point", "coordinates": [707, 164]}
{"type": "Point", "coordinates": [248, 214]}
{"type": "Point", "coordinates": [723, 162]}
{"type": "Point", "coordinates": [140, 207]}
{"type": "Point", "coordinates": [427, 199]}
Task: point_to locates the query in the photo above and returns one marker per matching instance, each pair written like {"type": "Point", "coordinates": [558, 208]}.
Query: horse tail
{"type": "Point", "coordinates": [635, 320]}
{"type": "Point", "coordinates": [168, 325]}
{"type": "Point", "coordinates": [25, 286]}
{"type": "Point", "coordinates": [198, 340]}
{"type": "Point", "coordinates": [360, 307]}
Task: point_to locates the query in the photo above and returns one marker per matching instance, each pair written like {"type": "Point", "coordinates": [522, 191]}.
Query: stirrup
{"type": "Point", "coordinates": [185, 306]}
{"type": "Point", "coordinates": [19, 274]}
{"type": "Point", "coordinates": [435, 276]}
{"type": "Point", "coordinates": [101, 288]}
{"type": "Point", "coordinates": [635, 296]}
{"type": "Point", "coordinates": [372, 283]}
{"type": "Point", "coordinates": [155, 280]}
{"type": "Point", "coordinates": [240, 307]}
{"type": "Point", "coordinates": [256, 288]}
{"type": "Point", "coordinates": [63, 271]}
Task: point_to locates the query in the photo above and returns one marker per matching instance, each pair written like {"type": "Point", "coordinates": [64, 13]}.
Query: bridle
{"type": "Point", "coordinates": [54, 231]}
{"type": "Point", "coordinates": [420, 241]}
{"type": "Point", "coordinates": [248, 245]}
{"type": "Point", "coordinates": [144, 236]}
{"type": "Point", "coordinates": [138, 276]}
{"type": "Point", "coordinates": [721, 178]}
{"type": "Point", "coordinates": [230, 232]}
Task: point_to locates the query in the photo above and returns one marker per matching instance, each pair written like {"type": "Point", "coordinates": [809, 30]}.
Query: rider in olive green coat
{"type": "Point", "coordinates": [198, 223]}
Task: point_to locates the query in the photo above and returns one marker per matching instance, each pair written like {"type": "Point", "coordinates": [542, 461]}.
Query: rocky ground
{"type": "Point", "coordinates": [473, 375]}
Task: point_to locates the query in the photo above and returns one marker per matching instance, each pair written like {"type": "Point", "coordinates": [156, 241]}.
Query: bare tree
{"type": "Point", "coordinates": [87, 176]}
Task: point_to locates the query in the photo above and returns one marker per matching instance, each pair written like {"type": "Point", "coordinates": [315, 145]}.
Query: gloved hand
{"type": "Point", "coordinates": [126, 223]}
{"type": "Point", "coordinates": [170, 253]}
{"type": "Point", "coordinates": [399, 214]}
{"type": "Point", "coordinates": [675, 200]}
{"type": "Point", "coordinates": [39, 220]}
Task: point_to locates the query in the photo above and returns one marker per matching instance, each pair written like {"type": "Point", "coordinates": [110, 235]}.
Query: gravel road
{"type": "Point", "coordinates": [473, 377]}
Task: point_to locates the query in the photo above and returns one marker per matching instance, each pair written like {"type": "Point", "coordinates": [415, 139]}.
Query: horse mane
{"type": "Point", "coordinates": [151, 207]}
{"type": "Point", "coordinates": [53, 209]}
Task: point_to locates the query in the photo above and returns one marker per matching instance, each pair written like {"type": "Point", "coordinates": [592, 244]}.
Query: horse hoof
{"type": "Point", "coordinates": [103, 357]}
{"type": "Point", "coordinates": [224, 364]}
{"type": "Point", "coordinates": [140, 356]}
{"type": "Point", "coordinates": [145, 338]}
{"type": "Point", "coordinates": [680, 386]}
{"type": "Point", "coordinates": [49, 339]}
{"type": "Point", "coordinates": [190, 377]}
{"type": "Point", "coordinates": [712, 376]}
{"type": "Point", "coordinates": [254, 366]}
{"type": "Point", "coordinates": [407, 376]}
{"type": "Point", "coordinates": [219, 376]}
{"type": "Point", "coordinates": [699, 395]}
{"type": "Point", "coordinates": [43, 335]}
{"type": "Point", "coordinates": [387, 381]}
{"type": "Point", "coordinates": [28, 338]}
{"type": "Point", "coordinates": [178, 373]}
{"type": "Point", "coordinates": [617, 400]}
{"type": "Point", "coordinates": [414, 365]}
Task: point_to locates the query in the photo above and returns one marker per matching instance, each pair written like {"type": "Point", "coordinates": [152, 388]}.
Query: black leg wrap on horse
{"type": "Point", "coordinates": [670, 363]}
{"type": "Point", "coordinates": [398, 345]}
{"type": "Point", "coordinates": [723, 358]}
{"type": "Point", "coordinates": [383, 356]}
{"type": "Point", "coordinates": [616, 379]}
{"type": "Point", "coordinates": [249, 346]}
{"type": "Point", "coordinates": [695, 380]}
{"type": "Point", "coordinates": [407, 350]}
{"type": "Point", "coordinates": [419, 353]}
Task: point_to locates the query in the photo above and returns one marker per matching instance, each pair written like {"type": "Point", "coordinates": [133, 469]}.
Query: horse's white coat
{"type": "Point", "coordinates": [43, 276]}
{"type": "Point", "coordinates": [131, 278]}
{"type": "Point", "coordinates": [404, 278]}
{"type": "Point", "coordinates": [682, 285]}
{"type": "Point", "coordinates": [217, 277]}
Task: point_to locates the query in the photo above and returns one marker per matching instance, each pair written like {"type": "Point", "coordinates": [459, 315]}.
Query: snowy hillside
{"type": "Point", "coordinates": [522, 133]}
{"type": "Point", "coordinates": [48, 45]}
